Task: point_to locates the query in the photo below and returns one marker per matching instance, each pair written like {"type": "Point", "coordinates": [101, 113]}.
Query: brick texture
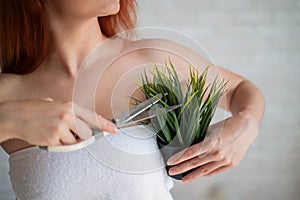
{"type": "Point", "coordinates": [258, 39]}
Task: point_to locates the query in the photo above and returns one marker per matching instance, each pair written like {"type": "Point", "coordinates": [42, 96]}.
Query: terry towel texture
{"type": "Point", "coordinates": [116, 167]}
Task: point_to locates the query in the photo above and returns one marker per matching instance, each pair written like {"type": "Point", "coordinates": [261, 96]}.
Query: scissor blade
{"type": "Point", "coordinates": [148, 115]}
{"type": "Point", "coordinates": [131, 113]}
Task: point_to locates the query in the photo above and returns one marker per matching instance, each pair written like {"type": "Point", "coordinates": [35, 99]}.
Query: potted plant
{"type": "Point", "coordinates": [188, 124]}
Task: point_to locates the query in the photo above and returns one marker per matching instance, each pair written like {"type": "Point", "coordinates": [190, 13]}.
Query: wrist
{"type": "Point", "coordinates": [5, 133]}
{"type": "Point", "coordinates": [4, 130]}
{"type": "Point", "coordinates": [6, 127]}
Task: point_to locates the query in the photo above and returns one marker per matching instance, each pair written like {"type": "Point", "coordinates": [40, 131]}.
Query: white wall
{"type": "Point", "coordinates": [259, 39]}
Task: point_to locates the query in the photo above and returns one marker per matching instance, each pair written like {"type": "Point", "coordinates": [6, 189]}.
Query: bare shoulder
{"type": "Point", "coordinates": [158, 50]}
{"type": "Point", "coordinates": [163, 48]}
{"type": "Point", "coordinates": [182, 56]}
{"type": "Point", "coordinates": [9, 84]}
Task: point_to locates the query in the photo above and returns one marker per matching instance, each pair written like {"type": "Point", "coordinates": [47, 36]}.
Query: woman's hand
{"type": "Point", "coordinates": [48, 123]}
{"type": "Point", "coordinates": [224, 148]}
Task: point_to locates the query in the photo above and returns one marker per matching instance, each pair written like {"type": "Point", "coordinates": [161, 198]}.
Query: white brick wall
{"type": "Point", "coordinates": [5, 186]}
{"type": "Point", "coordinates": [259, 39]}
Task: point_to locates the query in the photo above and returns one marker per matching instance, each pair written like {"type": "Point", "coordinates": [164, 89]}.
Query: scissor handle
{"type": "Point", "coordinates": [77, 146]}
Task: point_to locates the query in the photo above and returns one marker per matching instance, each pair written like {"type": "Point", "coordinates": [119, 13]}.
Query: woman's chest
{"type": "Point", "coordinates": [107, 94]}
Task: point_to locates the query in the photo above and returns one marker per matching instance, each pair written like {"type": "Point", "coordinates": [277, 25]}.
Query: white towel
{"type": "Point", "coordinates": [116, 167]}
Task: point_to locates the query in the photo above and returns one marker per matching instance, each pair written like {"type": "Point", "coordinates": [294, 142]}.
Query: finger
{"type": "Point", "coordinates": [188, 153]}
{"type": "Point", "coordinates": [202, 171]}
{"type": "Point", "coordinates": [94, 119]}
{"type": "Point", "coordinates": [82, 129]}
{"type": "Point", "coordinates": [66, 137]}
{"type": "Point", "coordinates": [77, 126]}
{"type": "Point", "coordinates": [191, 164]}
{"type": "Point", "coordinates": [68, 118]}
{"type": "Point", "coordinates": [106, 125]}
{"type": "Point", "coordinates": [219, 170]}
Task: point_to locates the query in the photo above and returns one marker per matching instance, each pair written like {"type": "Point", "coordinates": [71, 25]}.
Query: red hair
{"type": "Point", "coordinates": [24, 32]}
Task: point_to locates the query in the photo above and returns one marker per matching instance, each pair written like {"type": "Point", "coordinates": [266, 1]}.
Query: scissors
{"type": "Point", "coordinates": [127, 118]}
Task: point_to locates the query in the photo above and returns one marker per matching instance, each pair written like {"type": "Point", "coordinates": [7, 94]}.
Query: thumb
{"type": "Point", "coordinates": [106, 125]}
{"type": "Point", "coordinates": [94, 119]}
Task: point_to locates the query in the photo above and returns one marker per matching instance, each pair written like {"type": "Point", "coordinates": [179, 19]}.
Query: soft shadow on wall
{"type": "Point", "coordinates": [259, 40]}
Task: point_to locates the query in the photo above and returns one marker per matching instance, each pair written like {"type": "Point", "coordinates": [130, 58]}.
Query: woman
{"type": "Point", "coordinates": [45, 42]}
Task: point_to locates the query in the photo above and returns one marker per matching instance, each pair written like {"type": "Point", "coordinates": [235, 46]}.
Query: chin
{"type": "Point", "coordinates": [112, 7]}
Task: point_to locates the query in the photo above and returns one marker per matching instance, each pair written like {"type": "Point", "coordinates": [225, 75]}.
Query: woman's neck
{"type": "Point", "coordinates": [70, 42]}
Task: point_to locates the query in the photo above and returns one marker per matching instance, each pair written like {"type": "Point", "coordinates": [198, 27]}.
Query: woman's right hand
{"type": "Point", "coordinates": [48, 122]}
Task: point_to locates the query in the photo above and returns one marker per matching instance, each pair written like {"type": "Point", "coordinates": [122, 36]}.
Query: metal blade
{"type": "Point", "coordinates": [133, 112]}
{"type": "Point", "coordinates": [148, 115]}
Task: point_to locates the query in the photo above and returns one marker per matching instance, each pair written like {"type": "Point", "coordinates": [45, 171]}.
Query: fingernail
{"type": "Point", "coordinates": [115, 130]}
{"type": "Point", "coordinates": [185, 180]}
{"type": "Point", "coordinates": [174, 158]}
{"type": "Point", "coordinates": [171, 171]}
{"type": "Point", "coordinates": [171, 161]}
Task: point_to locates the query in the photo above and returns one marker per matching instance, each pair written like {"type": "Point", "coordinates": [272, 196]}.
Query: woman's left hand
{"type": "Point", "coordinates": [223, 148]}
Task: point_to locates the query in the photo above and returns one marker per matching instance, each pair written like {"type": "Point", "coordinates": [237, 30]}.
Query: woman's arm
{"type": "Point", "coordinates": [5, 134]}
{"type": "Point", "coordinates": [243, 96]}
{"type": "Point", "coordinates": [46, 123]}
{"type": "Point", "coordinates": [228, 140]}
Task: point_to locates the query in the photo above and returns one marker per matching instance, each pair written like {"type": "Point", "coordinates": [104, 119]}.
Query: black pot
{"type": "Point", "coordinates": [168, 151]}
